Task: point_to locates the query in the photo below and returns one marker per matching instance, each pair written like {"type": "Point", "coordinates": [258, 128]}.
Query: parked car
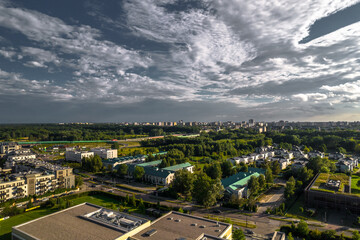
{"type": "Point", "coordinates": [248, 231]}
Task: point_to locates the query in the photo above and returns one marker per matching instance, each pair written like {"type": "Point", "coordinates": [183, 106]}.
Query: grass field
{"type": "Point", "coordinates": [6, 225]}
{"type": "Point", "coordinates": [354, 188]}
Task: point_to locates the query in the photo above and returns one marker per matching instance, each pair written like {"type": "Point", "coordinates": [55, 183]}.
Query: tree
{"type": "Point", "coordinates": [206, 190]}
{"type": "Point", "coordinates": [139, 172]}
{"type": "Point", "coordinates": [290, 188]}
{"type": "Point", "coordinates": [306, 149]}
{"type": "Point", "coordinates": [29, 204]}
{"type": "Point", "coordinates": [244, 168]}
{"type": "Point", "coordinates": [269, 176]}
{"type": "Point", "coordinates": [238, 234]}
{"type": "Point", "coordinates": [341, 150]}
{"type": "Point", "coordinates": [253, 185]}
{"type": "Point", "coordinates": [290, 237]}
{"type": "Point", "coordinates": [305, 174]}
{"type": "Point", "coordinates": [141, 205]}
{"type": "Point", "coordinates": [115, 145]}
{"type": "Point", "coordinates": [356, 235]}
{"type": "Point", "coordinates": [302, 228]}
{"type": "Point", "coordinates": [275, 167]}
{"type": "Point", "coordinates": [328, 234]}
{"type": "Point", "coordinates": [214, 171]}
{"type": "Point", "coordinates": [122, 170]}
{"type": "Point", "coordinates": [78, 181]}
{"type": "Point", "coordinates": [133, 200]}
{"type": "Point", "coordinates": [183, 182]}
{"type": "Point", "coordinates": [226, 168]}
{"type": "Point", "coordinates": [262, 181]}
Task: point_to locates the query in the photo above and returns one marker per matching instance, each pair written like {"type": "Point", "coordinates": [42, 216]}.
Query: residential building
{"type": "Point", "coordinates": [316, 154]}
{"type": "Point", "coordinates": [299, 154]}
{"type": "Point", "coordinates": [298, 164]}
{"type": "Point", "coordinates": [39, 177]}
{"type": "Point", "coordinates": [6, 148]}
{"type": "Point", "coordinates": [16, 188]}
{"type": "Point", "coordinates": [105, 153]}
{"type": "Point", "coordinates": [21, 157]}
{"type": "Point", "coordinates": [278, 236]}
{"type": "Point", "coordinates": [77, 156]}
{"type": "Point", "coordinates": [336, 155]}
{"type": "Point", "coordinates": [346, 164]}
{"type": "Point", "coordinates": [40, 183]}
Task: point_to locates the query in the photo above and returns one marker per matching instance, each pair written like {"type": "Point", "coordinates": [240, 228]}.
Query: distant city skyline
{"type": "Point", "coordinates": [165, 60]}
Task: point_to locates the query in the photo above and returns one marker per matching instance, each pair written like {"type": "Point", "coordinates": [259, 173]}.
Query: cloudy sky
{"type": "Point", "coordinates": [196, 60]}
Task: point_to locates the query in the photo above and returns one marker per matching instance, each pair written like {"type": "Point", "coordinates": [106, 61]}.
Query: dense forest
{"type": "Point", "coordinates": [76, 132]}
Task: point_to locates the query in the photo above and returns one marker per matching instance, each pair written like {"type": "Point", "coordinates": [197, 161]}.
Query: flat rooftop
{"type": "Point", "coordinates": [70, 224]}
{"type": "Point", "coordinates": [177, 225]}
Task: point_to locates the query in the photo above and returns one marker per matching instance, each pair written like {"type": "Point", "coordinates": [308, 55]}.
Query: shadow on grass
{"type": "Point", "coordinates": [6, 236]}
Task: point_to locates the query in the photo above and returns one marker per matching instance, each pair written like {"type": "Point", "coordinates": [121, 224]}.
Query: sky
{"type": "Point", "coordinates": [170, 60]}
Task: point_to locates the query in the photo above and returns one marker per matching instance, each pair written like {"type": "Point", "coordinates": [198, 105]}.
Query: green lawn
{"type": "Point", "coordinates": [6, 225]}
{"type": "Point", "coordinates": [354, 188]}
{"type": "Point", "coordinates": [295, 212]}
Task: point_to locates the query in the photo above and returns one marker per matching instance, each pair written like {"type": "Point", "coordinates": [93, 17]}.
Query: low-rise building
{"type": "Point", "coordinates": [183, 166]}
{"type": "Point", "coordinates": [316, 153]}
{"type": "Point", "coordinates": [92, 222]}
{"type": "Point", "coordinates": [84, 221]}
{"type": "Point", "coordinates": [115, 162]}
{"type": "Point", "coordinates": [336, 155]}
{"type": "Point", "coordinates": [298, 164]}
{"type": "Point", "coordinates": [21, 157]}
{"type": "Point", "coordinates": [77, 156]}
{"type": "Point", "coordinates": [156, 175]}
{"type": "Point", "coordinates": [105, 153]}
{"type": "Point", "coordinates": [346, 164]}
{"type": "Point", "coordinates": [175, 225]}
{"type": "Point", "coordinates": [237, 184]}
{"type": "Point", "coordinates": [6, 148]}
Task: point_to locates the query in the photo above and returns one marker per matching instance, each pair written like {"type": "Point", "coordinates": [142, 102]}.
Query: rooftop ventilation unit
{"type": "Point", "coordinates": [170, 218]}
{"type": "Point", "coordinates": [150, 233]}
{"type": "Point", "coordinates": [194, 224]}
{"type": "Point", "coordinates": [202, 226]}
{"type": "Point", "coordinates": [177, 220]}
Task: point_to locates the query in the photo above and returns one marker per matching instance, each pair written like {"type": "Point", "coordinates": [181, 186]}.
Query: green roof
{"type": "Point", "coordinates": [154, 171]}
{"type": "Point", "coordinates": [178, 167]}
{"type": "Point", "coordinates": [241, 178]}
{"type": "Point", "coordinates": [152, 163]}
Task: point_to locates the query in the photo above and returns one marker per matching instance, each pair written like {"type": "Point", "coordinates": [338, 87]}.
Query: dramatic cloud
{"type": "Point", "coordinates": [262, 59]}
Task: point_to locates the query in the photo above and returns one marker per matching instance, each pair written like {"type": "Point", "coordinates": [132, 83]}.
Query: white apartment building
{"type": "Point", "coordinates": [13, 189]}
{"type": "Point", "coordinates": [105, 153]}
{"type": "Point", "coordinates": [22, 157]}
{"type": "Point", "coordinates": [77, 156]}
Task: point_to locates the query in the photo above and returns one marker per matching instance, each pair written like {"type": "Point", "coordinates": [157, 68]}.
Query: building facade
{"type": "Point", "coordinates": [77, 156]}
